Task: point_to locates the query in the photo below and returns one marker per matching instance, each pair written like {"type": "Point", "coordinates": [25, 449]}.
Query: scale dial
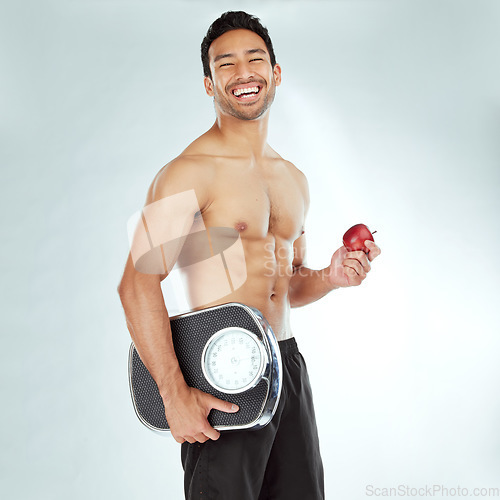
{"type": "Point", "coordinates": [233, 360]}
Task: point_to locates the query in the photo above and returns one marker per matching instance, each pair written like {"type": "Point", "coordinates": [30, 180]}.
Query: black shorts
{"type": "Point", "coordinates": [282, 461]}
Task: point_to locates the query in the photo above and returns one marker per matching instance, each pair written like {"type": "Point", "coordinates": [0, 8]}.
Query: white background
{"type": "Point", "coordinates": [391, 108]}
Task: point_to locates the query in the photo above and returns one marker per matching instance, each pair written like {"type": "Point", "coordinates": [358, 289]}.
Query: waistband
{"type": "Point", "coordinates": [288, 347]}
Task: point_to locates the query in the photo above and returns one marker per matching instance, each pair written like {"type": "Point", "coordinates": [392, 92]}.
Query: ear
{"type": "Point", "coordinates": [277, 74]}
{"type": "Point", "coordinates": [209, 86]}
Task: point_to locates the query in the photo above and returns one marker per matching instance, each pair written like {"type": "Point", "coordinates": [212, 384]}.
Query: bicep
{"type": "Point", "coordinates": [177, 194]}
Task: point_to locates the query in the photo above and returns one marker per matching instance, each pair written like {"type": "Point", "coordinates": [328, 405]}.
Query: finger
{"type": "Point", "coordinates": [355, 266]}
{"type": "Point", "coordinates": [179, 439]}
{"type": "Point", "coordinates": [374, 250]}
{"type": "Point", "coordinates": [211, 433]}
{"type": "Point", "coordinates": [353, 278]}
{"type": "Point", "coordinates": [363, 260]}
{"type": "Point", "coordinates": [356, 254]}
{"type": "Point", "coordinates": [361, 257]}
{"type": "Point", "coordinates": [347, 279]}
{"type": "Point", "coordinates": [219, 404]}
{"type": "Point", "coordinates": [200, 437]}
{"type": "Point", "coordinates": [366, 265]}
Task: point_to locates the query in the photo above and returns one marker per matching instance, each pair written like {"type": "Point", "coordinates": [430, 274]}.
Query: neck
{"type": "Point", "coordinates": [248, 137]}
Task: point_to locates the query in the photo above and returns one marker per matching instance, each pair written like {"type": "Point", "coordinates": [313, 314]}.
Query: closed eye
{"type": "Point", "coordinates": [256, 59]}
{"type": "Point", "coordinates": [226, 64]}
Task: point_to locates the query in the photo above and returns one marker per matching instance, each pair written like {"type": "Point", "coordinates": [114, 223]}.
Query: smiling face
{"type": "Point", "coordinates": [243, 82]}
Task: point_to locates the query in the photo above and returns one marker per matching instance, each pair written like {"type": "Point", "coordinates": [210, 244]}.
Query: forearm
{"type": "Point", "coordinates": [308, 285]}
{"type": "Point", "coordinates": [149, 326]}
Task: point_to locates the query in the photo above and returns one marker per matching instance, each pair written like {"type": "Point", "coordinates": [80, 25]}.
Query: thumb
{"type": "Point", "coordinates": [219, 404]}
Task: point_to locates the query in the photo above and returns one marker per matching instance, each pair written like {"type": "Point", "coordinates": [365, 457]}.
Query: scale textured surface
{"type": "Point", "coordinates": [190, 334]}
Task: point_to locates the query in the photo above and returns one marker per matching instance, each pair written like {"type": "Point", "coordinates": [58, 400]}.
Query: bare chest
{"type": "Point", "coordinates": [256, 204]}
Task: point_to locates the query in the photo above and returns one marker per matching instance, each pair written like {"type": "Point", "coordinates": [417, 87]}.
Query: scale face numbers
{"type": "Point", "coordinates": [233, 360]}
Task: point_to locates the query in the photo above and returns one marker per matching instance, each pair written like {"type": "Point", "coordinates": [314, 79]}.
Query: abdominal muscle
{"type": "Point", "coordinates": [267, 266]}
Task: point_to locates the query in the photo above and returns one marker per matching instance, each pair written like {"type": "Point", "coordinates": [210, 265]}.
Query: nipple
{"type": "Point", "coordinates": [240, 226]}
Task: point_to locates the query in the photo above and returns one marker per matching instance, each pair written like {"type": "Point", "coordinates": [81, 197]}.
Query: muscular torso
{"type": "Point", "coordinates": [264, 204]}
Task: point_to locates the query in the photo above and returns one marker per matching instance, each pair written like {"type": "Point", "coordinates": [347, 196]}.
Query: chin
{"type": "Point", "coordinates": [251, 114]}
{"type": "Point", "coordinates": [249, 117]}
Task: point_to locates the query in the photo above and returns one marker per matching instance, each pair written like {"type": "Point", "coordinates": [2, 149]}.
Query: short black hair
{"type": "Point", "coordinates": [234, 20]}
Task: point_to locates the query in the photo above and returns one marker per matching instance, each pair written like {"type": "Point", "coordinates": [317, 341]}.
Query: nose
{"type": "Point", "coordinates": [243, 71]}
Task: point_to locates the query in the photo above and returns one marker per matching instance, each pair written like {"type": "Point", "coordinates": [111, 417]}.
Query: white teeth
{"type": "Point", "coordinates": [249, 90]}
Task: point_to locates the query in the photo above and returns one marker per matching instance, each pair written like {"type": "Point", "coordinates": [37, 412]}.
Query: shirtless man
{"type": "Point", "coordinates": [241, 183]}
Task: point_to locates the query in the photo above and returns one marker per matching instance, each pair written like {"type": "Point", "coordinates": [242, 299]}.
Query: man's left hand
{"type": "Point", "coordinates": [351, 268]}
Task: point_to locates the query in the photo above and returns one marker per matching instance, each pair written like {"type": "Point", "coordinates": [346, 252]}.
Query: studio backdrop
{"type": "Point", "coordinates": [391, 109]}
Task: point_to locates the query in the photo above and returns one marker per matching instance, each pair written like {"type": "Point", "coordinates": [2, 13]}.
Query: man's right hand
{"type": "Point", "coordinates": [187, 414]}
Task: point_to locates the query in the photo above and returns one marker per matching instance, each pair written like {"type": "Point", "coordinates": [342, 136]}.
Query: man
{"type": "Point", "coordinates": [242, 184]}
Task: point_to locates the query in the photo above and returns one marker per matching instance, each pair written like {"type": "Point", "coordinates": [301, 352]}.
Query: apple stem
{"type": "Point", "coordinates": [373, 232]}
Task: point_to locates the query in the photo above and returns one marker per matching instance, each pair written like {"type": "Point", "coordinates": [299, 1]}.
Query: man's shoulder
{"type": "Point", "coordinates": [298, 175]}
{"type": "Point", "coordinates": [292, 170]}
{"type": "Point", "coordinates": [291, 167]}
{"type": "Point", "coordinates": [187, 165]}
{"type": "Point", "coordinates": [184, 173]}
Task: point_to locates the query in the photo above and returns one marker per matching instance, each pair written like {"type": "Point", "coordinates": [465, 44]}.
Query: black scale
{"type": "Point", "coordinates": [229, 351]}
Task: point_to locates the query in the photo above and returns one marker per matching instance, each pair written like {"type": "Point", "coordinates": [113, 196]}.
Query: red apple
{"type": "Point", "coordinates": [355, 237]}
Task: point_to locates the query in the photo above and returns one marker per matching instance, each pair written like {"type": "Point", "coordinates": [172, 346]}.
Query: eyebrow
{"type": "Point", "coordinates": [249, 51]}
